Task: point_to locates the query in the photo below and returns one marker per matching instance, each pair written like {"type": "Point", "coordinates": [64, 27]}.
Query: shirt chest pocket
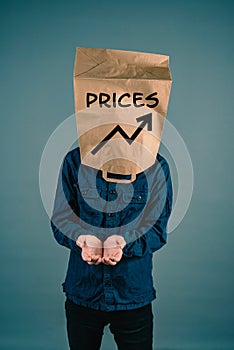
{"type": "Point", "coordinates": [135, 203]}
{"type": "Point", "coordinates": [90, 205]}
{"type": "Point", "coordinates": [88, 198]}
{"type": "Point", "coordinates": [137, 197]}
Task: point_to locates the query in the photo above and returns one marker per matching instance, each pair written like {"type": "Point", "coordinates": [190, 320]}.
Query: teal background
{"type": "Point", "coordinates": [194, 272]}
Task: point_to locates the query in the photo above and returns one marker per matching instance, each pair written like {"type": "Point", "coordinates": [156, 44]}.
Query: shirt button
{"type": "Point", "coordinates": [107, 284]}
{"type": "Point", "coordinates": [110, 214]}
{"type": "Point", "coordinates": [112, 191]}
{"type": "Point", "coordinates": [139, 197]}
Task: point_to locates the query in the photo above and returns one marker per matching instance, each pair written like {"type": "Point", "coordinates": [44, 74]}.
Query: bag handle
{"type": "Point", "coordinates": [123, 181]}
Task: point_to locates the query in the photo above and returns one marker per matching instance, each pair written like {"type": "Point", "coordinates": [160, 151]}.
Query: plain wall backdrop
{"type": "Point", "coordinates": [194, 271]}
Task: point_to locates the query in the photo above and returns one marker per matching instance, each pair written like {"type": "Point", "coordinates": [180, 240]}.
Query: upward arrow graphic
{"type": "Point", "coordinates": [146, 119]}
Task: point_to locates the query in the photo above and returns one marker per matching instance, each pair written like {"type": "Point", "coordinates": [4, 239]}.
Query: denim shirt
{"type": "Point", "coordinates": [85, 203]}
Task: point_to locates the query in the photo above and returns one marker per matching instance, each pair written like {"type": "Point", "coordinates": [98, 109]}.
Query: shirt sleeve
{"type": "Point", "coordinates": [65, 222]}
{"type": "Point", "coordinates": [159, 207]}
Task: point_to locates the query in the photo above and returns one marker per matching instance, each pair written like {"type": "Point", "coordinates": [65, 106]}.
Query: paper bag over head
{"type": "Point", "coordinates": [121, 100]}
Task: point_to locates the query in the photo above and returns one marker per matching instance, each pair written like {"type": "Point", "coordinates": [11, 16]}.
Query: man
{"type": "Point", "coordinates": [112, 230]}
{"type": "Point", "coordinates": [114, 196]}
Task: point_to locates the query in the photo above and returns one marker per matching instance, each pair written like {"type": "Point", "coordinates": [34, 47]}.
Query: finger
{"type": "Point", "coordinates": [80, 244]}
{"type": "Point", "coordinates": [95, 258]}
{"type": "Point", "coordinates": [113, 254]}
{"type": "Point", "coordinates": [121, 243]}
{"type": "Point", "coordinates": [86, 257]}
{"type": "Point", "coordinates": [112, 257]}
{"type": "Point", "coordinates": [116, 258]}
{"type": "Point", "coordinates": [98, 261]}
{"type": "Point", "coordinates": [104, 261]}
{"type": "Point", "coordinates": [108, 261]}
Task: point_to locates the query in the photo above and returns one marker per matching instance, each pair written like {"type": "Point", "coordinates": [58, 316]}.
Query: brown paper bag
{"type": "Point", "coordinates": [121, 100]}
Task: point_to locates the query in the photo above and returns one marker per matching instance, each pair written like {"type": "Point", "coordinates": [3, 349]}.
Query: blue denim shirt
{"type": "Point", "coordinates": [85, 203]}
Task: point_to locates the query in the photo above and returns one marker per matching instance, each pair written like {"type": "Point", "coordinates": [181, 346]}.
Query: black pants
{"type": "Point", "coordinates": [132, 329]}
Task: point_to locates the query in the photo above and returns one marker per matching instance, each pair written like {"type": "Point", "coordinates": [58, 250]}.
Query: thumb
{"type": "Point", "coordinates": [81, 241]}
{"type": "Point", "coordinates": [121, 241]}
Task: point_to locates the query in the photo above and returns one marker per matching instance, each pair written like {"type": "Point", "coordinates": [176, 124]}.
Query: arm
{"type": "Point", "coordinates": [65, 222]}
{"type": "Point", "coordinates": [159, 207]}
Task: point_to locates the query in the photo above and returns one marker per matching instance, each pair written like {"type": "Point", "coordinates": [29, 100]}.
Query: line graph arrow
{"type": "Point", "coordinates": [146, 120]}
